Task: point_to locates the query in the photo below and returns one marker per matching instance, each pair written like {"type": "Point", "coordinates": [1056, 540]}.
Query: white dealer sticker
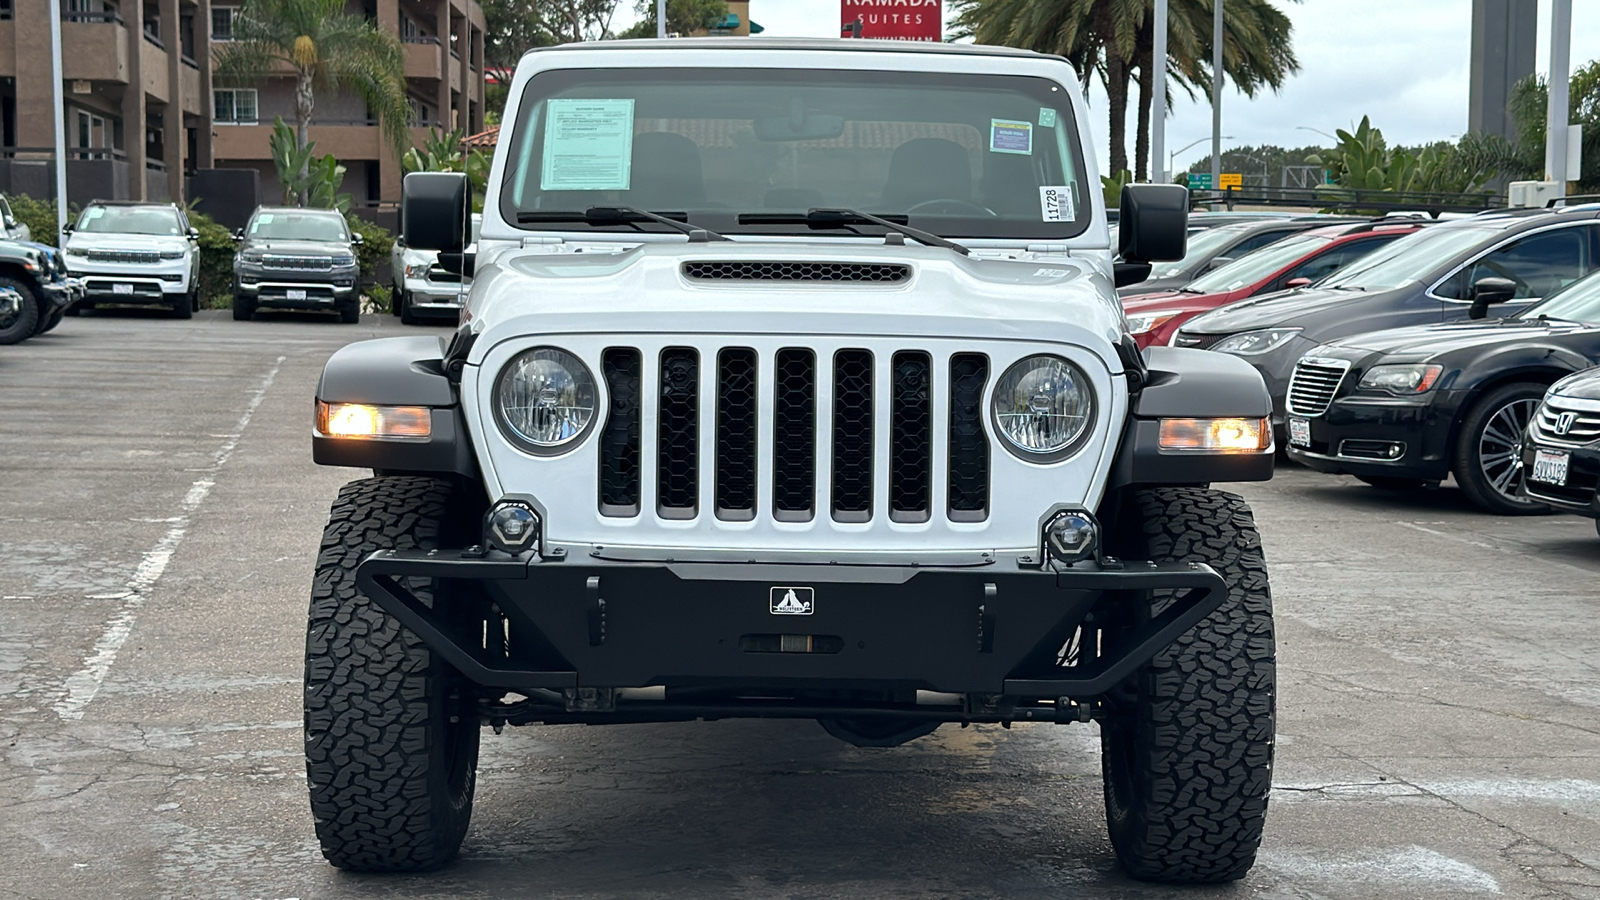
{"type": "Point", "coordinates": [1055, 203]}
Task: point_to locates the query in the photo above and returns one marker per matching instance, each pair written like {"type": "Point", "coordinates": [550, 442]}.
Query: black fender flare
{"type": "Point", "coordinates": [1190, 384]}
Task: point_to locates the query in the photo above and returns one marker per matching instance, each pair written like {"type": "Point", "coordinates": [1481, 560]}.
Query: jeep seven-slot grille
{"type": "Point", "coordinates": [888, 273]}
{"type": "Point", "coordinates": [1313, 385]}
{"type": "Point", "coordinates": [852, 427]}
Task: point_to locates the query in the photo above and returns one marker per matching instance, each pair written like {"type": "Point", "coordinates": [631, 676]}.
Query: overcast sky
{"type": "Point", "coordinates": [1402, 62]}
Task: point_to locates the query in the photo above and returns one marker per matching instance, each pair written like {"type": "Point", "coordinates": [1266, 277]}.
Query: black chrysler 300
{"type": "Point", "coordinates": [1561, 448]}
{"type": "Point", "coordinates": [1410, 406]}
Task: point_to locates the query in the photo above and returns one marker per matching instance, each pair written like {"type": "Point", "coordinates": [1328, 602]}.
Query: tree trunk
{"type": "Point", "coordinates": [304, 102]}
{"type": "Point", "coordinates": [1145, 61]}
{"type": "Point", "coordinates": [1117, 97]}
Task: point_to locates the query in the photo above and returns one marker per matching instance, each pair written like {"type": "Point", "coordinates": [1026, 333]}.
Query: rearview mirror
{"type": "Point", "coordinates": [1490, 290]}
{"type": "Point", "coordinates": [1154, 224]}
{"type": "Point", "coordinates": [804, 128]}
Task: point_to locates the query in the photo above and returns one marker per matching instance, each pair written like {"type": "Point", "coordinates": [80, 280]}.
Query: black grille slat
{"type": "Point", "coordinates": [678, 434]}
{"type": "Point", "coordinates": [739, 270]}
{"type": "Point", "coordinates": [852, 435]}
{"type": "Point", "coordinates": [911, 437]}
{"type": "Point", "coordinates": [619, 440]}
{"type": "Point", "coordinates": [1313, 386]}
{"type": "Point", "coordinates": [736, 434]}
{"type": "Point", "coordinates": [794, 434]}
{"type": "Point", "coordinates": [968, 494]}
{"type": "Point", "coordinates": [125, 256]}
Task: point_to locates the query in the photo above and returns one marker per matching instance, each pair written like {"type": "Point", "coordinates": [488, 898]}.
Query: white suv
{"type": "Point", "coordinates": [423, 289]}
{"type": "Point", "coordinates": [140, 253]}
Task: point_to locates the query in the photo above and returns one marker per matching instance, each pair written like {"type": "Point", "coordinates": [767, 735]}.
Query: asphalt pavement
{"type": "Point", "coordinates": [1439, 714]}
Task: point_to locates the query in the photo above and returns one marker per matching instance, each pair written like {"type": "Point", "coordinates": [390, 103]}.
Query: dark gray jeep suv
{"type": "Point", "coordinates": [296, 259]}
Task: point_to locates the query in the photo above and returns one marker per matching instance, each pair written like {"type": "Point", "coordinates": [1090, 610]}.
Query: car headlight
{"type": "Point", "coordinates": [1143, 322]}
{"type": "Point", "coordinates": [1250, 343]}
{"type": "Point", "coordinates": [173, 254]}
{"type": "Point", "coordinates": [545, 400]}
{"type": "Point", "coordinates": [416, 270]}
{"type": "Point", "coordinates": [1042, 407]}
{"type": "Point", "coordinates": [76, 251]}
{"type": "Point", "coordinates": [344, 260]}
{"type": "Point", "coordinates": [252, 257]}
{"type": "Point", "coordinates": [1414, 378]}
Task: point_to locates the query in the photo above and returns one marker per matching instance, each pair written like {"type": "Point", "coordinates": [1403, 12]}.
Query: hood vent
{"type": "Point", "coordinates": [878, 273]}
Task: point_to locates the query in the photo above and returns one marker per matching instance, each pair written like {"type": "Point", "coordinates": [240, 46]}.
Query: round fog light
{"type": "Point", "coordinates": [513, 526]}
{"type": "Point", "coordinates": [1070, 536]}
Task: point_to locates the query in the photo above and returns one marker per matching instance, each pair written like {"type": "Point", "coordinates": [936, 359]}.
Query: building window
{"type": "Point", "coordinates": [93, 136]}
{"type": "Point", "coordinates": [222, 23]}
{"type": "Point", "coordinates": [234, 106]}
{"type": "Point", "coordinates": [419, 112]}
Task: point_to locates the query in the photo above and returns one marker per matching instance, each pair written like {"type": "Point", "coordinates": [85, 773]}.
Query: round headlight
{"type": "Point", "coordinates": [545, 400]}
{"type": "Point", "coordinates": [1042, 407]}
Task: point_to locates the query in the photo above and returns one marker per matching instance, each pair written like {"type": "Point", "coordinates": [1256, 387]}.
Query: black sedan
{"type": "Point", "coordinates": [1561, 448]}
{"type": "Point", "coordinates": [1410, 406]}
{"type": "Point", "coordinates": [1497, 262]}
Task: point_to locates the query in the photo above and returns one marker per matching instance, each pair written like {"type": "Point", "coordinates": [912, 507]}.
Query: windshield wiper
{"type": "Point", "coordinates": [840, 218]}
{"type": "Point", "coordinates": [605, 215]}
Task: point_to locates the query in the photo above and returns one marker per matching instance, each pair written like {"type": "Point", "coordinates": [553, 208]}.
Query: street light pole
{"type": "Point", "coordinates": [61, 115]}
{"type": "Point", "coordinates": [1557, 113]}
{"type": "Point", "coordinates": [1172, 154]}
{"type": "Point", "coordinates": [661, 18]}
{"type": "Point", "coordinates": [1158, 95]}
{"type": "Point", "coordinates": [1216, 95]}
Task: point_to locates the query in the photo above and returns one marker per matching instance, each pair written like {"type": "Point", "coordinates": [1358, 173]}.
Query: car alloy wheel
{"type": "Point", "coordinates": [1499, 447]}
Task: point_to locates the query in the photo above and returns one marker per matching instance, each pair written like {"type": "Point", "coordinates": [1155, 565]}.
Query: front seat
{"type": "Point", "coordinates": [927, 169]}
{"type": "Point", "coordinates": [666, 172]}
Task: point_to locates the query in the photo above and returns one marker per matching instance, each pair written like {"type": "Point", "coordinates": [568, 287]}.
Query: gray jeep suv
{"type": "Point", "coordinates": [296, 259]}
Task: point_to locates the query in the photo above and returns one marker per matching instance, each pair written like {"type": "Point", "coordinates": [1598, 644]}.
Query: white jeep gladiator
{"type": "Point", "coordinates": [792, 382]}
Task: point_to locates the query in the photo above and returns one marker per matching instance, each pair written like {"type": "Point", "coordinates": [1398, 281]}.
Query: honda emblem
{"type": "Point", "coordinates": [1564, 422]}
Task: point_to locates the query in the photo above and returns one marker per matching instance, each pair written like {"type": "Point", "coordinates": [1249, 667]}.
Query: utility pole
{"type": "Point", "coordinates": [61, 116]}
{"type": "Point", "coordinates": [1216, 95]}
{"type": "Point", "coordinates": [661, 18]}
{"type": "Point", "coordinates": [1158, 99]}
{"type": "Point", "coordinates": [1556, 115]}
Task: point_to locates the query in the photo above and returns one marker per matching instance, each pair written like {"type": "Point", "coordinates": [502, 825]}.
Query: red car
{"type": "Point", "coordinates": [1289, 263]}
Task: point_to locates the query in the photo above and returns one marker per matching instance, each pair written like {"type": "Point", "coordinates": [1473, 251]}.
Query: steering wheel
{"type": "Point", "coordinates": [949, 202]}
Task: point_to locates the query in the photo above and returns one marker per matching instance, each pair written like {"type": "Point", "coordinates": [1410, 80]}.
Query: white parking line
{"type": "Point", "coordinates": [84, 684]}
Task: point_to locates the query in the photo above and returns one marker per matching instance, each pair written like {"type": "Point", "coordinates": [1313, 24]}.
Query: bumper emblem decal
{"type": "Point", "coordinates": [792, 601]}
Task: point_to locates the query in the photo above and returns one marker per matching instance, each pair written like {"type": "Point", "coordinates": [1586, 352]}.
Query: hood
{"type": "Point", "coordinates": [1285, 307]}
{"type": "Point", "coordinates": [1583, 385]}
{"type": "Point", "coordinates": [1178, 301]}
{"type": "Point", "coordinates": [1154, 285]}
{"type": "Point", "coordinates": [106, 241]}
{"type": "Point", "coordinates": [570, 288]}
{"type": "Point", "coordinates": [1425, 342]}
{"type": "Point", "coordinates": [297, 248]}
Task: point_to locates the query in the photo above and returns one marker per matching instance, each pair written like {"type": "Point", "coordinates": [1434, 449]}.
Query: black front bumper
{"type": "Point", "coordinates": [997, 629]}
{"type": "Point", "coordinates": [1579, 493]}
{"type": "Point", "coordinates": [1380, 439]}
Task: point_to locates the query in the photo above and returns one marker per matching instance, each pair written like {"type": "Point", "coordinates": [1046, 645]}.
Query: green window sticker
{"type": "Point", "coordinates": [588, 146]}
{"type": "Point", "coordinates": [1047, 117]}
{"type": "Point", "coordinates": [1008, 136]}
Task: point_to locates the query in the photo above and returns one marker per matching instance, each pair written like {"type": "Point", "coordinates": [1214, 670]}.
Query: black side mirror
{"type": "Point", "coordinates": [356, 239]}
{"type": "Point", "coordinates": [238, 234]}
{"type": "Point", "coordinates": [434, 207]}
{"type": "Point", "coordinates": [1490, 290]}
{"type": "Point", "coordinates": [67, 228]}
{"type": "Point", "coordinates": [1153, 226]}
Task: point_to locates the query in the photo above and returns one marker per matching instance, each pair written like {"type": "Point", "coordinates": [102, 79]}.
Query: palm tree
{"type": "Point", "coordinates": [1115, 39]}
{"type": "Point", "coordinates": [321, 47]}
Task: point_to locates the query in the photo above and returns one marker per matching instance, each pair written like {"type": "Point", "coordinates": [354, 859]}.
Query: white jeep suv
{"type": "Point", "coordinates": [131, 252]}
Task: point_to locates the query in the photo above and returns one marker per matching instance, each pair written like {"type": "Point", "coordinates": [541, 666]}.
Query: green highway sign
{"type": "Point", "coordinates": [1199, 181]}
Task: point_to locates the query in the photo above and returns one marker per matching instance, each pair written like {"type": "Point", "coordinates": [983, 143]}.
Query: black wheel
{"type": "Point", "coordinates": [397, 302]}
{"type": "Point", "coordinates": [1488, 455]}
{"type": "Point", "coordinates": [1187, 741]}
{"type": "Point", "coordinates": [243, 306]}
{"type": "Point", "coordinates": [391, 731]}
{"type": "Point", "coordinates": [1386, 483]}
{"type": "Point", "coordinates": [20, 325]}
{"type": "Point", "coordinates": [350, 311]}
{"type": "Point", "coordinates": [407, 315]}
{"type": "Point", "coordinates": [194, 300]}
{"type": "Point", "coordinates": [181, 308]}
{"type": "Point", "coordinates": [72, 309]}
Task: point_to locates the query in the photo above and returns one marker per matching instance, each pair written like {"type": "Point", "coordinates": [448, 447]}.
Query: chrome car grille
{"type": "Point", "coordinates": [125, 256]}
{"type": "Point", "coordinates": [846, 426]}
{"type": "Point", "coordinates": [298, 263]}
{"type": "Point", "coordinates": [1313, 385]}
{"type": "Point", "coordinates": [1557, 425]}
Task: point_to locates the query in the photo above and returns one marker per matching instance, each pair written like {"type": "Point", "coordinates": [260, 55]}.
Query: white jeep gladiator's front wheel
{"type": "Point", "coordinates": [391, 730]}
{"type": "Point", "coordinates": [1187, 740]}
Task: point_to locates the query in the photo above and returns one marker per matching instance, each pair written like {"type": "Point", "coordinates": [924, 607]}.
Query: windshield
{"type": "Point", "coordinates": [158, 220]}
{"type": "Point", "coordinates": [299, 226]}
{"type": "Point", "coordinates": [958, 155]}
{"type": "Point", "coordinates": [1578, 302]}
{"type": "Point", "coordinates": [1253, 267]}
{"type": "Point", "coordinates": [1201, 246]}
{"type": "Point", "coordinates": [1407, 259]}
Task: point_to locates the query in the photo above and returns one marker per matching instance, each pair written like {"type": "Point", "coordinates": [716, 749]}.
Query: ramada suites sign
{"type": "Point", "coordinates": [894, 20]}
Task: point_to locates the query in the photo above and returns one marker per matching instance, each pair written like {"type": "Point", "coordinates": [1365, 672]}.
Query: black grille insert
{"type": "Point", "coordinates": [911, 437]}
{"type": "Point", "coordinates": [678, 435]}
{"type": "Point", "coordinates": [794, 435]}
{"type": "Point", "coordinates": [741, 270]}
{"type": "Point", "coordinates": [736, 434]}
{"type": "Point", "coordinates": [619, 440]}
{"type": "Point", "coordinates": [969, 445]}
{"type": "Point", "coordinates": [852, 435]}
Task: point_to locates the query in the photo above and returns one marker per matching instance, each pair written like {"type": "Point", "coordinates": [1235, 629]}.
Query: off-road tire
{"type": "Point", "coordinates": [1465, 463]}
{"type": "Point", "coordinates": [1187, 741]}
{"type": "Point", "coordinates": [243, 307]}
{"type": "Point", "coordinates": [26, 321]}
{"type": "Point", "coordinates": [1390, 483]}
{"type": "Point", "coordinates": [391, 731]}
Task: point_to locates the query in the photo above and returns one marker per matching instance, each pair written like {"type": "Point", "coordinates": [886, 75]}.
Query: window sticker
{"type": "Point", "coordinates": [1055, 203]}
{"type": "Point", "coordinates": [1047, 117]}
{"type": "Point", "coordinates": [1009, 136]}
{"type": "Point", "coordinates": [588, 145]}
{"type": "Point", "coordinates": [95, 213]}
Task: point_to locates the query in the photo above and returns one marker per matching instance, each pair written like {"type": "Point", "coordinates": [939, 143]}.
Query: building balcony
{"type": "Point", "coordinates": [153, 70]}
{"type": "Point", "coordinates": [346, 141]}
{"type": "Point", "coordinates": [97, 48]}
{"type": "Point", "coordinates": [423, 58]}
{"type": "Point", "coordinates": [194, 102]}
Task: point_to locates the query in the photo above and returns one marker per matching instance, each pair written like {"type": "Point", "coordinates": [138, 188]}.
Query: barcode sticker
{"type": "Point", "coordinates": [1055, 203]}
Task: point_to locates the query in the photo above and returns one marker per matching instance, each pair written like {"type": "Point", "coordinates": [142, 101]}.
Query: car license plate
{"type": "Point", "coordinates": [1550, 466]}
{"type": "Point", "coordinates": [297, 293]}
{"type": "Point", "coordinates": [1300, 432]}
{"type": "Point", "coordinates": [122, 289]}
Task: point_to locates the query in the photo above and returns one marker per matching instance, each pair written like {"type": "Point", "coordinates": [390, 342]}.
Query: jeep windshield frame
{"type": "Point", "coordinates": [718, 143]}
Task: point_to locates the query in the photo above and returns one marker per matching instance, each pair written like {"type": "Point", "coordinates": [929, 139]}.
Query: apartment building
{"type": "Point", "coordinates": [142, 113]}
{"type": "Point", "coordinates": [136, 96]}
{"type": "Point", "coordinates": [443, 43]}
